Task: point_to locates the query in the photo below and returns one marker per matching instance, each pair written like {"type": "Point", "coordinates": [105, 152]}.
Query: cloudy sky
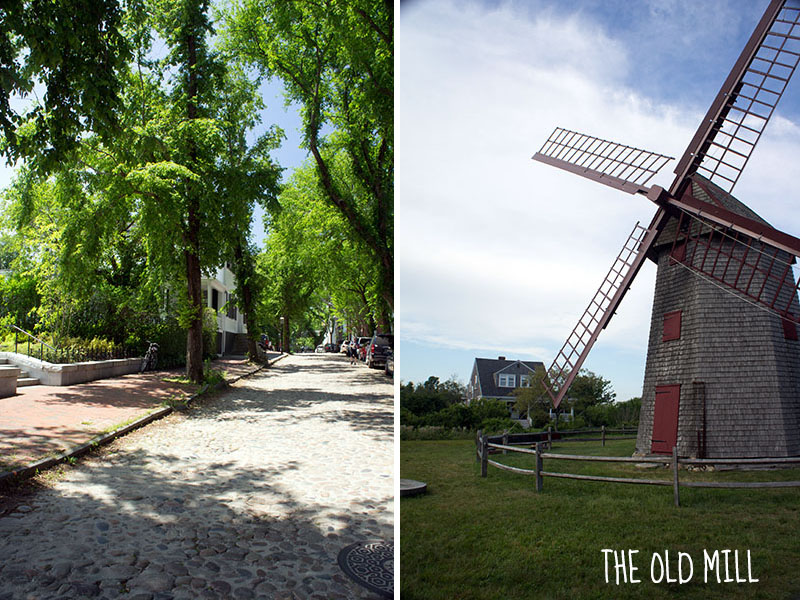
{"type": "Point", "coordinates": [499, 254]}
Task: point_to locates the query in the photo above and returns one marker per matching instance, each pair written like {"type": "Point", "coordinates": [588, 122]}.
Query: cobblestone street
{"type": "Point", "coordinates": [249, 495]}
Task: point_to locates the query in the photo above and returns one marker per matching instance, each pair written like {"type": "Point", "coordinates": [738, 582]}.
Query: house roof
{"type": "Point", "coordinates": [487, 367]}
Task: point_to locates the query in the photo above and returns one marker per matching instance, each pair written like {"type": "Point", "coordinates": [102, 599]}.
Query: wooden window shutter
{"type": "Point", "coordinates": [789, 329]}
{"type": "Point", "coordinates": [678, 253]}
{"type": "Point", "coordinates": [672, 326]}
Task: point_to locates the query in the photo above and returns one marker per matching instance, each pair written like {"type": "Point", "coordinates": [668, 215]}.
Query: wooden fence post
{"type": "Point", "coordinates": [676, 493]}
{"type": "Point", "coordinates": [505, 441]}
{"type": "Point", "coordinates": [539, 482]}
{"type": "Point", "coordinates": [603, 431]}
{"type": "Point", "coordinates": [478, 446]}
{"type": "Point", "coordinates": [484, 455]}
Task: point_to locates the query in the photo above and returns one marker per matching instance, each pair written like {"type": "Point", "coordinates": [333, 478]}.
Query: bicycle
{"type": "Point", "coordinates": [150, 359]}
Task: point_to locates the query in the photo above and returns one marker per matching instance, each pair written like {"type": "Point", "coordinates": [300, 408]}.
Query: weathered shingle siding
{"type": "Point", "coordinates": [750, 371]}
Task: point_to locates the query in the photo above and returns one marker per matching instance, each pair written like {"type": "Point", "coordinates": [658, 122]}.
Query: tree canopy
{"type": "Point", "coordinates": [142, 167]}
{"type": "Point", "coordinates": [336, 60]}
{"type": "Point", "coordinates": [72, 52]}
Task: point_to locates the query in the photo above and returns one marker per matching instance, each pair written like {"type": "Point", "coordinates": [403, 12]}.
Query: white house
{"type": "Point", "coordinates": [216, 293]}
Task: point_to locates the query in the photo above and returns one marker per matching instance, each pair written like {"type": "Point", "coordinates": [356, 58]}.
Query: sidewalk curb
{"type": "Point", "coordinates": [100, 440]}
{"type": "Point", "coordinates": [253, 372]}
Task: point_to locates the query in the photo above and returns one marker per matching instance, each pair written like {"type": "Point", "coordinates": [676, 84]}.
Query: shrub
{"type": "Point", "coordinates": [407, 418]}
{"type": "Point", "coordinates": [576, 423]}
{"type": "Point", "coordinates": [209, 333]}
{"type": "Point", "coordinates": [429, 433]}
{"type": "Point", "coordinates": [497, 425]}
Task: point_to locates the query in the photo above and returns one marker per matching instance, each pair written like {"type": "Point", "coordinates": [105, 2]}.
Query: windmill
{"type": "Point", "coordinates": [722, 376]}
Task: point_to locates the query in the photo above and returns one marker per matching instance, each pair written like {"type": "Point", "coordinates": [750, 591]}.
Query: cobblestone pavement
{"type": "Point", "coordinates": [249, 496]}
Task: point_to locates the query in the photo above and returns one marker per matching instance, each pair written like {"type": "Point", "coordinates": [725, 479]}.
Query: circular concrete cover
{"type": "Point", "coordinates": [409, 487]}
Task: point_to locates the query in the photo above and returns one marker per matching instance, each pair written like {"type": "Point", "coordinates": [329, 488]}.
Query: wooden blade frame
{"type": "Point", "coordinates": [733, 125]}
{"type": "Point", "coordinates": [619, 166]}
{"type": "Point", "coordinates": [759, 271]}
{"type": "Point", "coordinates": [570, 358]}
{"type": "Point", "coordinates": [719, 150]}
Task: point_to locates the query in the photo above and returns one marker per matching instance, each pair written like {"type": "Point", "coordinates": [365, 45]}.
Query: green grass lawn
{"type": "Point", "coordinates": [496, 538]}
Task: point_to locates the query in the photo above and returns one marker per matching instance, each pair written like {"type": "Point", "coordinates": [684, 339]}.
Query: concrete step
{"type": "Point", "coordinates": [26, 381]}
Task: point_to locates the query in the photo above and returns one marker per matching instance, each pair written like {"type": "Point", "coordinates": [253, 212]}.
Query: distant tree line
{"type": "Point", "coordinates": [442, 404]}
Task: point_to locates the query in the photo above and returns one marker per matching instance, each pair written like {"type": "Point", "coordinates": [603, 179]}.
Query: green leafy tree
{"type": "Point", "coordinates": [246, 176]}
{"type": "Point", "coordinates": [75, 49]}
{"type": "Point", "coordinates": [534, 401]}
{"type": "Point", "coordinates": [335, 58]}
{"type": "Point", "coordinates": [288, 266]}
{"type": "Point", "coordinates": [589, 389]}
{"type": "Point", "coordinates": [430, 396]}
{"type": "Point", "coordinates": [169, 195]}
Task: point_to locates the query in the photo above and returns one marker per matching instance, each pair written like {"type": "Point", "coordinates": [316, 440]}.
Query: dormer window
{"type": "Point", "coordinates": [524, 381]}
{"type": "Point", "coordinates": [507, 380]}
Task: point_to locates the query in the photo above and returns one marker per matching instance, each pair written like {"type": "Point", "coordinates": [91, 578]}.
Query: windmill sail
{"type": "Point", "coordinates": [733, 125]}
{"type": "Point", "coordinates": [597, 315]}
{"type": "Point", "coordinates": [755, 259]}
{"type": "Point", "coordinates": [622, 167]}
{"type": "Point", "coordinates": [758, 271]}
{"type": "Point", "coordinates": [734, 249]}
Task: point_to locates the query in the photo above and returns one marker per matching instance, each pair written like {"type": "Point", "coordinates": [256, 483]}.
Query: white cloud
{"type": "Point", "coordinates": [498, 252]}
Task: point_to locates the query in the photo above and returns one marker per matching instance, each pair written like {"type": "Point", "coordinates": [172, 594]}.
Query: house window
{"type": "Point", "coordinates": [672, 326]}
{"type": "Point", "coordinates": [524, 381]}
{"type": "Point", "coordinates": [507, 380]}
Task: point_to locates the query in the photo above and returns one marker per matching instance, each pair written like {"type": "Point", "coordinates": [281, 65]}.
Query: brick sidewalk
{"type": "Point", "coordinates": [45, 420]}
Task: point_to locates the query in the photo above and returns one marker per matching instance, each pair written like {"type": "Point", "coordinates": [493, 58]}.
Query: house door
{"type": "Point", "coordinates": [665, 419]}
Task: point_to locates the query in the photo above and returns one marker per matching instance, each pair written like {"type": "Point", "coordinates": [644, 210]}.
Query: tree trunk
{"type": "Point", "coordinates": [194, 337]}
{"type": "Point", "coordinates": [285, 335]}
{"type": "Point", "coordinates": [243, 280]}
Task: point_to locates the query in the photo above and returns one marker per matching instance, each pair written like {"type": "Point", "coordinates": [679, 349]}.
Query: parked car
{"type": "Point", "coordinates": [389, 366]}
{"type": "Point", "coordinates": [320, 349]}
{"type": "Point", "coordinates": [345, 346]}
{"type": "Point", "coordinates": [378, 348]}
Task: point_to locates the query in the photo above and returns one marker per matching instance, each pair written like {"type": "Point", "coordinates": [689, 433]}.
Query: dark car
{"type": "Point", "coordinates": [377, 350]}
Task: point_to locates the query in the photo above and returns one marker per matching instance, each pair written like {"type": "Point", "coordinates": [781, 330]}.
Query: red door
{"type": "Point", "coordinates": [665, 420]}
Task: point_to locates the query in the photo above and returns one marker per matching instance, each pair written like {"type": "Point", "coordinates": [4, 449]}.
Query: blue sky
{"type": "Point", "coordinates": [498, 254]}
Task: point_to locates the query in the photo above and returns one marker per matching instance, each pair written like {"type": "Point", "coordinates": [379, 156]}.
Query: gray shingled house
{"type": "Point", "coordinates": [723, 375]}
{"type": "Point", "coordinates": [497, 378]}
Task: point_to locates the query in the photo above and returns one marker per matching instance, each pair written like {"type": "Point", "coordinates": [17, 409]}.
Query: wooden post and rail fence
{"type": "Point", "coordinates": [484, 445]}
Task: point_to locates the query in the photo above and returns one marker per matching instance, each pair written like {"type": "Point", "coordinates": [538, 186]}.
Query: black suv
{"type": "Point", "coordinates": [379, 346]}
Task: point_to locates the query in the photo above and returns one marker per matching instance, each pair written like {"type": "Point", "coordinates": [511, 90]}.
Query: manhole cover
{"type": "Point", "coordinates": [370, 564]}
